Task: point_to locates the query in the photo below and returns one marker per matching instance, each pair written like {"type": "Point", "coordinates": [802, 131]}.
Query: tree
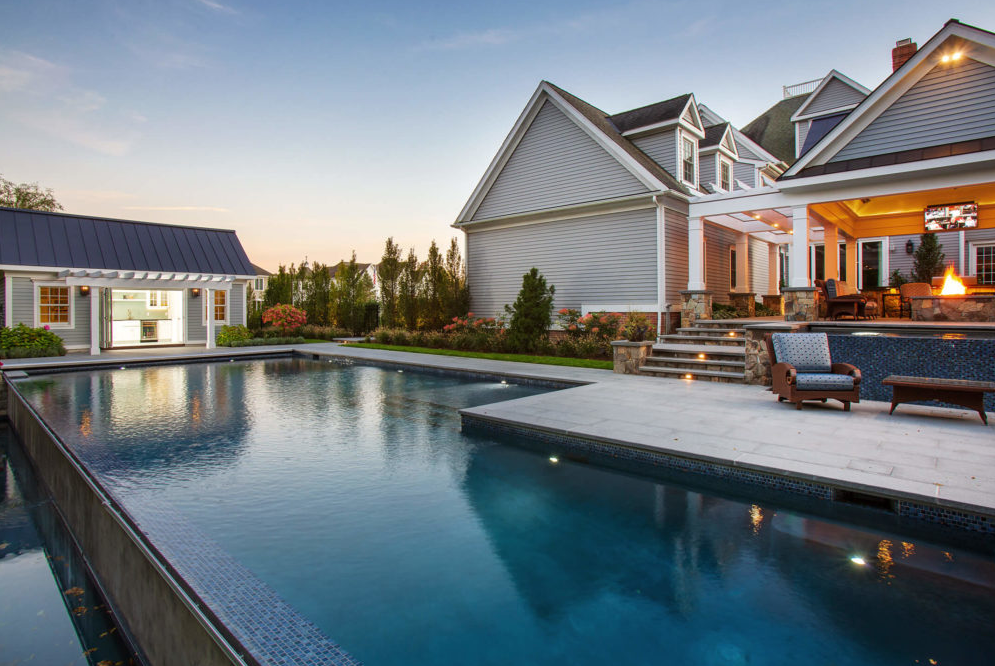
{"type": "Point", "coordinates": [285, 317]}
{"type": "Point", "coordinates": [531, 314]}
{"type": "Point", "coordinates": [28, 196]}
{"type": "Point", "coordinates": [280, 287]}
{"type": "Point", "coordinates": [458, 296]}
{"type": "Point", "coordinates": [315, 283]}
{"type": "Point", "coordinates": [928, 259]}
{"type": "Point", "coordinates": [389, 274]}
{"type": "Point", "coordinates": [408, 292]}
{"type": "Point", "coordinates": [351, 291]}
{"type": "Point", "coordinates": [434, 286]}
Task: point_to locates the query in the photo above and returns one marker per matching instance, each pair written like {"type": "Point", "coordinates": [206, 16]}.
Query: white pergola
{"type": "Point", "coordinates": [103, 279]}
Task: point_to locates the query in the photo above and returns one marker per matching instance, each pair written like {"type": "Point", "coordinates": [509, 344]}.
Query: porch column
{"type": "Point", "coordinates": [95, 300]}
{"type": "Point", "coordinates": [799, 247]}
{"type": "Point", "coordinates": [742, 263]}
{"type": "Point", "coordinates": [209, 306]}
{"type": "Point", "coordinates": [852, 267]}
{"type": "Point", "coordinates": [831, 238]}
{"type": "Point", "coordinates": [773, 269]}
{"type": "Point", "coordinates": [696, 254]}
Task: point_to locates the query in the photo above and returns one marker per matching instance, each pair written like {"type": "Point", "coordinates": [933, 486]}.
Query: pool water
{"type": "Point", "coordinates": [352, 492]}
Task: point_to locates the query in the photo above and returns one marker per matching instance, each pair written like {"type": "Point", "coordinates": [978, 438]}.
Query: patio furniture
{"type": "Point", "coordinates": [964, 392]}
{"type": "Point", "coordinates": [840, 301]}
{"type": "Point", "coordinates": [907, 292]}
{"type": "Point", "coordinates": [802, 369]}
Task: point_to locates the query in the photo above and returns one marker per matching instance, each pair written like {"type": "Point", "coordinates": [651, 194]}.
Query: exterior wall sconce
{"type": "Point", "coordinates": [84, 290]}
{"type": "Point", "coordinates": [195, 292]}
{"type": "Point", "coordinates": [910, 247]}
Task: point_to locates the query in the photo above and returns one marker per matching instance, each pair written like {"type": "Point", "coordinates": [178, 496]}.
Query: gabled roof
{"type": "Point", "coordinates": [260, 271]}
{"type": "Point", "coordinates": [718, 137]}
{"type": "Point", "coordinates": [651, 114]}
{"type": "Point", "coordinates": [773, 128]}
{"type": "Point", "coordinates": [60, 240]}
{"type": "Point", "coordinates": [709, 117]}
{"type": "Point", "coordinates": [819, 128]}
{"type": "Point", "coordinates": [833, 75]}
{"type": "Point", "coordinates": [595, 123]}
{"type": "Point", "coordinates": [814, 162]}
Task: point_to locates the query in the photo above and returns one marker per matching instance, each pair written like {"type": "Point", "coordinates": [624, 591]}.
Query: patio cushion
{"type": "Point", "coordinates": [807, 352]}
{"type": "Point", "coordinates": [831, 289]}
{"type": "Point", "coordinates": [823, 381]}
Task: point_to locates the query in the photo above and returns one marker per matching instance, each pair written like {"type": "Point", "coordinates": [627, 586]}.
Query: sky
{"type": "Point", "coordinates": [317, 128]}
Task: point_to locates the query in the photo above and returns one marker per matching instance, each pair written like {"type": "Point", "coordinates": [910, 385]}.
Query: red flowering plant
{"type": "Point", "coordinates": [600, 325]}
{"type": "Point", "coordinates": [471, 332]}
{"type": "Point", "coordinates": [285, 317]}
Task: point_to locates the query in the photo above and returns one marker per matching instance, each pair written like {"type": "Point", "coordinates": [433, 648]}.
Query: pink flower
{"type": "Point", "coordinates": [46, 327]}
{"type": "Point", "coordinates": [469, 314]}
{"type": "Point", "coordinates": [573, 327]}
{"type": "Point", "coordinates": [455, 318]}
{"type": "Point", "coordinates": [594, 330]}
{"type": "Point", "coordinates": [604, 319]}
{"type": "Point", "coordinates": [563, 311]}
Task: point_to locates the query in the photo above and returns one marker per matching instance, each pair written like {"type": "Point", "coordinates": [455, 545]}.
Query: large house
{"type": "Point", "coordinates": [106, 284]}
{"type": "Point", "coordinates": [641, 210]}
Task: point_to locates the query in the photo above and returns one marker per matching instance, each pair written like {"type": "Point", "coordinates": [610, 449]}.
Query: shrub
{"type": "Point", "coordinates": [638, 328]}
{"type": "Point", "coordinates": [229, 334]}
{"type": "Point", "coordinates": [322, 332]}
{"type": "Point", "coordinates": [530, 313]}
{"type": "Point", "coordinates": [285, 317]}
{"type": "Point", "coordinates": [259, 342]}
{"type": "Point", "coordinates": [22, 341]}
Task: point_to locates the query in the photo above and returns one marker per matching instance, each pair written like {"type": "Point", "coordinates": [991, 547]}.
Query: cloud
{"type": "Point", "coordinates": [218, 7]}
{"type": "Point", "coordinates": [203, 209]}
{"type": "Point", "coordinates": [18, 71]}
{"type": "Point", "coordinates": [465, 40]}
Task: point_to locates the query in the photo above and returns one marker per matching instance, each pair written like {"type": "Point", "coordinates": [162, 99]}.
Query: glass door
{"type": "Point", "coordinates": [106, 310]}
{"type": "Point", "coordinates": [872, 255]}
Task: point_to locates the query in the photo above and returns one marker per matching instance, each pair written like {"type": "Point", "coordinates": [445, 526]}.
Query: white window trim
{"type": "Point", "coordinates": [885, 262]}
{"type": "Point", "coordinates": [683, 134]}
{"type": "Point", "coordinates": [732, 180]}
{"type": "Point", "coordinates": [972, 255]}
{"type": "Point", "coordinates": [811, 257]}
{"type": "Point", "coordinates": [37, 305]}
{"type": "Point", "coordinates": [204, 314]}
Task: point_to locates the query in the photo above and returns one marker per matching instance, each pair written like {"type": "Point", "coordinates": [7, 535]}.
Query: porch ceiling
{"type": "Point", "coordinates": [773, 225]}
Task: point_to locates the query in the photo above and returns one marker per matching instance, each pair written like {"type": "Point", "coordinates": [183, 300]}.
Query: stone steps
{"type": "Point", "coordinates": [711, 350]}
{"type": "Point", "coordinates": [694, 373]}
{"type": "Point", "coordinates": [719, 340]}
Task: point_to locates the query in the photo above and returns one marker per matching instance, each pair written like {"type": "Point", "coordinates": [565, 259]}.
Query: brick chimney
{"type": "Point", "coordinates": [904, 49]}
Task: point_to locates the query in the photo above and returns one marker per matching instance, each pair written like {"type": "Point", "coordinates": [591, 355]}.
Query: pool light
{"type": "Point", "coordinates": [858, 560]}
{"type": "Point", "coordinates": [701, 356]}
{"type": "Point", "coordinates": [688, 376]}
{"type": "Point", "coordinates": [554, 459]}
{"type": "Point", "coordinates": [503, 381]}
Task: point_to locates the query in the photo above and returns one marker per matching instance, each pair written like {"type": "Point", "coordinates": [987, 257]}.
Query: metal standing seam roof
{"type": "Point", "coordinates": [38, 238]}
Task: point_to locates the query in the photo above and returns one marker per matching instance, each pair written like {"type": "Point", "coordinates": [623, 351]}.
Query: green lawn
{"type": "Point", "coordinates": [522, 358]}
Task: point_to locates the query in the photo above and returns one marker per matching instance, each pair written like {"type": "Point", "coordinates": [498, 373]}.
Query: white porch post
{"type": "Point", "coordinates": [852, 266]}
{"type": "Point", "coordinates": [773, 269]}
{"type": "Point", "coordinates": [799, 247]}
{"type": "Point", "coordinates": [209, 307]}
{"type": "Point", "coordinates": [95, 300]}
{"type": "Point", "coordinates": [696, 254]}
{"type": "Point", "coordinates": [831, 238]}
{"type": "Point", "coordinates": [743, 263]}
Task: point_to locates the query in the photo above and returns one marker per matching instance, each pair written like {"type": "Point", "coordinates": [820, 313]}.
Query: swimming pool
{"type": "Point", "coordinates": [350, 491]}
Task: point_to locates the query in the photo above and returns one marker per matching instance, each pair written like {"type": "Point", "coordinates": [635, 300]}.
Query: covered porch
{"type": "Point", "coordinates": [875, 226]}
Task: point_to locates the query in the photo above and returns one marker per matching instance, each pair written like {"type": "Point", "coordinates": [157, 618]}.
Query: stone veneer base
{"type": "Point", "coordinates": [927, 513]}
{"type": "Point", "coordinates": [971, 307]}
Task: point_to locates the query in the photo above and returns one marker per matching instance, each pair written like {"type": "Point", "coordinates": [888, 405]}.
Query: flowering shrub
{"type": "Point", "coordinates": [23, 341]}
{"type": "Point", "coordinates": [602, 326]}
{"type": "Point", "coordinates": [230, 334]}
{"type": "Point", "coordinates": [637, 328]}
{"type": "Point", "coordinates": [285, 317]}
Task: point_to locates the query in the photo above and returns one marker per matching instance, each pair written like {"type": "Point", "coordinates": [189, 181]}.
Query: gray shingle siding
{"type": "Point", "coordinates": [608, 258]}
{"type": "Point", "coordinates": [745, 172]}
{"type": "Point", "coordinates": [22, 301]}
{"type": "Point", "coordinates": [949, 104]}
{"type": "Point", "coordinates": [22, 310]}
{"type": "Point", "coordinates": [556, 164]}
{"type": "Point", "coordinates": [833, 96]}
{"type": "Point", "coordinates": [661, 148]}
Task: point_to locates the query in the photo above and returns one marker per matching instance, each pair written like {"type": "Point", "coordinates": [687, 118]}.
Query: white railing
{"type": "Point", "coordinates": [801, 88]}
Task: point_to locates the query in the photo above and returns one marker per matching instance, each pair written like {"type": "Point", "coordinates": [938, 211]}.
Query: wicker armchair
{"type": "Point", "coordinates": [839, 301]}
{"type": "Point", "coordinates": [907, 291]}
{"type": "Point", "coordinates": [802, 369]}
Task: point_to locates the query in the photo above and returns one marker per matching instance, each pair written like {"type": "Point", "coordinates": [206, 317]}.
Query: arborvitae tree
{"type": "Point", "coordinates": [352, 290]}
{"type": "Point", "coordinates": [389, 275]}
{"type": "Point", "coordinates": [408, 292]}
{"type": "Point", "coordinates": [434, 290]}
{"type": "Point", "coordinates": [280, 287]}
{"type": "Point", "coordinates": [531, 314]}
{"type": "Point", "coordinates": [927, 260]}
{"type": "Point", "coordinates": [458, 291]}
{"type": "Point", "coordinates": [315, 287]}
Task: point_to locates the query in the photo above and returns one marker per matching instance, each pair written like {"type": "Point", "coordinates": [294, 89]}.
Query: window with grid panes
{"type": "Point", "coordinates": [53, 305]}
{"type": "Point", "coordinates": [985, 264]}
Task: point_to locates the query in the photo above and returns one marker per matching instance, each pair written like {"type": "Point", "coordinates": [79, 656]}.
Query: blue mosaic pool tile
{"type": "Point", "coordinates": [880, 356]}
{"type": "Point", "coordinates": [937, 515]}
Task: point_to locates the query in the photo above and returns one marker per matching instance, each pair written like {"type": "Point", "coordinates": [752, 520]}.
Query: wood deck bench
{"type": "Point", "coordinates": [964, 392]}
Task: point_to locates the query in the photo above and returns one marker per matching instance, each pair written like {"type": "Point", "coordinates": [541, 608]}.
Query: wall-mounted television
{"type": "Point", "coordinates": [947, 217]}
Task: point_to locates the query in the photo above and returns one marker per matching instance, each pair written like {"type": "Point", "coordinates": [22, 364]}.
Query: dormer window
{"type": "Point", "coordinates": [689, 159]}
{"type": "Point", "coordinates": [725, 175]}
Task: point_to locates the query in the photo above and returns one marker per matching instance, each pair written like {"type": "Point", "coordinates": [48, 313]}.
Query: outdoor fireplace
{"type": "Point", "coordinates": [955, 299]}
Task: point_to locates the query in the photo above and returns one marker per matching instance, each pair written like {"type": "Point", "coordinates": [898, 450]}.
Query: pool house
{"type": "Point", "coordinates": [110, 284]}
